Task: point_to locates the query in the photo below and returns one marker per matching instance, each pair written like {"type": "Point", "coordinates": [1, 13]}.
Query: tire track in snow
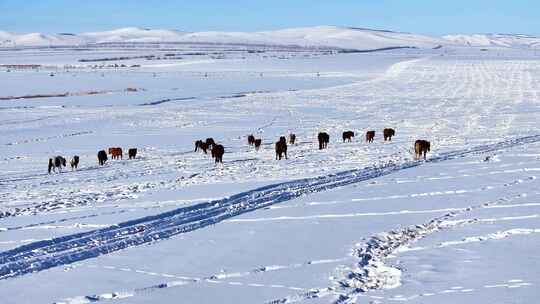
{"type": "Point", "coordinates": [377, 198]}
{"type": "Point", "coordinates": [68, 249]}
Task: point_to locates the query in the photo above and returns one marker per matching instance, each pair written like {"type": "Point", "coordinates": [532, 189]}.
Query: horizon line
{"type": "Point", "coordinates": [270, 30]}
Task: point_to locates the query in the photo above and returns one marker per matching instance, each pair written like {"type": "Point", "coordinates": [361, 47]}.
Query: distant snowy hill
{"type": "Point", "coordinates": [37, 39]}
{"type": "Point", "coordinates": [320, 36]}
{"type": "Point", "coordinates": [500, 40]}
{"type": "Point", "coordinates": [133, 34]}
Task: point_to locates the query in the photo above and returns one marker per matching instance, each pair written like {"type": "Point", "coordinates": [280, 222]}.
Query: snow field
{"type": "Point", "coordinates": [479, 113]}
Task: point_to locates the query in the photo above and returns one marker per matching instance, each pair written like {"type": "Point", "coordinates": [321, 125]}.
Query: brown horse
{"type": "Point", "coordinates": [370, 135]}
{"type": "Point", "coordinates": [292, 138]}
{"type": "Point", "coordinates": [251, 140]}
{"type": "Point", "coordinates": [116, 153]}
{"type": "Point", "coordinates": [257, 143]}
{"type": "Point", "coordinates": [348, 136]}
{"type": "Point", "coordinates": [281, 148]}
{"type": "Point", "coordinates": [324, 139]}
{"type": "Point", "coordinates": [421, 147]}
{"type": "Point", "coordinates": [217, 153]}
{"type": "Point", "coordinates": [388, 133]}
{"type": "Point", "coordinates": [132, 153]}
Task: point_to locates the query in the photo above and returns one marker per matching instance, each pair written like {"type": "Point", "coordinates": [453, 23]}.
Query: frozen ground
{"type": "Point", "coordinates": [354, 223]}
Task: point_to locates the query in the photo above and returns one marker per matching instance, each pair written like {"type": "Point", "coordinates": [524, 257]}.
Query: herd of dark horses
{"type": "Point", "coordinates": [216, 150]}
{"type": "Point", "coordinates": [421, 147]}
{"type": "Point", "coordinates": [58, 162]}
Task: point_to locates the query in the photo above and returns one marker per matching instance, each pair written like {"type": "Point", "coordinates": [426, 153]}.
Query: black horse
{"type": "Point", "coordinates": [132, 153]}
{"type": "Point", "coordinates": [388, 133]}
{"type": "Point", "coordinates": [292, 138]}
{"type": "Point", "coordinates": [251, 140]}
{"type": "Point", "coordinates": [348, 136]}
{"type": "Point", "coordinates": [281, 148]}
{"type": "Point", "coordinates": [102, 157]}
{"type": "Point", "coordinates": [370, 135]}
{"type": "Point", "coordinates": [217, 153]}
{"type": "Point", "coordinates": [257, 143]}
{"type": "Point", "coordinates": [324, 139]}
{"type": "Point", "coordinates": [56, 163]}
{"type": "Point", "coordinates": [74, 162]}
{"type": "Point", "coordinates": [201, 145]}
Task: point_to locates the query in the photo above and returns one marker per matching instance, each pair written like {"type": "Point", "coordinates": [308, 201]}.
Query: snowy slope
{"type": "Point", "coordinates": [321, 36]}
{"type": "Point", "coordinates": [8, 39]}
{"type": "Point", "coordinates": [133, 34]}
{"type": "Point", "coordinates": [501, 40]}
{"type": "Point", "coordinates": [318, 36]}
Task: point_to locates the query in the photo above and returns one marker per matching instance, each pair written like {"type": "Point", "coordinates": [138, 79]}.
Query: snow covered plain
{"type": "Point", "coordinates": [354, 223]}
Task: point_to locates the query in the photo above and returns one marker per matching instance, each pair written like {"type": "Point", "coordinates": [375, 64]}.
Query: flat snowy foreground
{"type": "Point", "coordinates": [355, 223]}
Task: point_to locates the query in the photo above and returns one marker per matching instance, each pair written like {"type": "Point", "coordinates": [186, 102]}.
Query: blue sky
{"type": "Point", "coordinates": [419, 16]}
